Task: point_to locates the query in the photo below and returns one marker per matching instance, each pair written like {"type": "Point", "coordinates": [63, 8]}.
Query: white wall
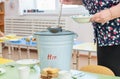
{"type": "Point", "coordinates": [27, 4]}
{"type": "Point", "coordinates": [11, 11]}
{"type": "Point", "coordinates": [84, 31]}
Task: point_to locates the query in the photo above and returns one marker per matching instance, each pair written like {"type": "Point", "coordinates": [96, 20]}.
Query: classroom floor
{"type": "Point", "coordinates": [83, 59]}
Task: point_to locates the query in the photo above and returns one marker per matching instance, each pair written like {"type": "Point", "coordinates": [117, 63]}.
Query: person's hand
{"type": "Point", "coordinates": [102, 16]}
{"type": "Point", "coordinates": [71, 1]}
{"type": "Point", "coordinates": [1, 34]}
{"type": "Point", "coordinates": [65, 1]}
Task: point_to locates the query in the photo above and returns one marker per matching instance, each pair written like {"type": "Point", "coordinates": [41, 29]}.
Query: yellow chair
{"type": "Point", "coordinates": [4, 61]}
{"type": "Point", "coordinates": [97, 69]}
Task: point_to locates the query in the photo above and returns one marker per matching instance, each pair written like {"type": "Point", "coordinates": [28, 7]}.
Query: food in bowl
{"type": "Point", "coordinates": [82, 18]}
{"type": "Point", "coordinates": [27, 39]}
{"type": "Point", "coordinates": [3, 39]}
{"type": "Point", "coordinates": [34, 39]}
{"type": "Point", "coordinates": [2, 71]}
{"type": "Point", "coordinates": [11, 36]}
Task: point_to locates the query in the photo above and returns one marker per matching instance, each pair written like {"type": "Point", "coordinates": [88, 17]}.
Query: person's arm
{"type": "Point", "coordinates": [72, 2]}
{"type": "Point", "coordinates": [1, 34]}
{"type": "Point", "coordinates": [115, 11]}
{"type": "Point", "coordinates": [107, 15]}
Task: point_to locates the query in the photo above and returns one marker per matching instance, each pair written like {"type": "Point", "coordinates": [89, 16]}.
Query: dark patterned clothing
{"type": "Point", "coordinates": [109, 56]}
{"type": "Point", "coordinates": [107, 34]}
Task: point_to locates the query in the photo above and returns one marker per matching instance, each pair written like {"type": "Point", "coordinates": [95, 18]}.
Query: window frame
{"type": "Point", "coordinates": [65, 11]}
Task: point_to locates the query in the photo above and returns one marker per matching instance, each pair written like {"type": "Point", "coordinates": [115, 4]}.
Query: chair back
{"type": "Point", "coordinates": [97, 69]}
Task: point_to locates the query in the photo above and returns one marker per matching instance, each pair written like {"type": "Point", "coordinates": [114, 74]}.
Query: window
{"type": "Point", "coordinates": [48, 7]}
{"type": "Point", "coordinates": [46, 4]}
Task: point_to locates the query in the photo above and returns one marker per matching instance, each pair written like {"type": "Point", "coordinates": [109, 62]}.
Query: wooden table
{"type": "Point", "coordinates": [85, 47]}
{"type": "Point", "coordinates": [12, 73]}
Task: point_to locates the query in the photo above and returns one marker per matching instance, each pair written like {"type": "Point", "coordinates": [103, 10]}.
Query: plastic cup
{"type": "Point", "coordinates": [24, 72]}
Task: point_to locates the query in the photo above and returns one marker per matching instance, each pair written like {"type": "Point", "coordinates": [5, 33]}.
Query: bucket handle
{"type": "Point", "coordinates": [34, 36]}
{"type": "Point", "coordinates": [75, 36]}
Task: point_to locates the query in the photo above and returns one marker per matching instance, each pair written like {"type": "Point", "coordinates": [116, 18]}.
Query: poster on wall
{"type": "Point", "coordinates": [11, 4]}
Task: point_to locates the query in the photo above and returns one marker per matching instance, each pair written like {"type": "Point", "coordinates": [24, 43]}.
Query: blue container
{"type": "Point", "coordinates": [55, 49]}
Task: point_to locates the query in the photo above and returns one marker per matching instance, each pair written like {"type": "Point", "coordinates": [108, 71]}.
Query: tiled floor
{"type": "Point", "coordinates": [83, 59]}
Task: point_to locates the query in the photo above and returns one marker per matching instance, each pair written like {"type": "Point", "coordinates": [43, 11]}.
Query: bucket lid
{"type": "Point", "coordinates": [47, 33]}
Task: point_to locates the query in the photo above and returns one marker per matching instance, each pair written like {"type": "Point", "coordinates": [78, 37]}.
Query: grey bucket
{"type": "Point", "coordinates": [55, 49]}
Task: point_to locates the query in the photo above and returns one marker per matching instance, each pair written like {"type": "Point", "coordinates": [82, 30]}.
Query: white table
{"type": "Point", "coordinates": [35, 74]}
{"type": "Point", "coordinates": [85, 47]}
{"type": "Point", "coordinates": [21, 43]}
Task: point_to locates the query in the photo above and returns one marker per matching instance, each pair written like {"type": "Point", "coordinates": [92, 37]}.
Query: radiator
{"type": "Point", "coordinates": [26, 26]}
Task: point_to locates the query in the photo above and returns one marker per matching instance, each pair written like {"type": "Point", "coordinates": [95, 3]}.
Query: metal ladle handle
{"type": "Point", "coordinates": [60, 13]}
{"type": "Point", "coordinates": [58, 28]}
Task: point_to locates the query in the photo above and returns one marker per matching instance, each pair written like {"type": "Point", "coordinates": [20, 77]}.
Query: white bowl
{"type": "Point", "coordinates": [28, 62]}
{"type": "Point", "coordinates": [2, 71]}
{"type": "Point", "coordinates": [11, 36]}
{"type": "Point", "coordinates": [81, 18]}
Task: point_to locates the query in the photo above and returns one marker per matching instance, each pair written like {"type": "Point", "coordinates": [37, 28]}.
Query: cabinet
{"type": "Point", "coordinates": [2, 16]}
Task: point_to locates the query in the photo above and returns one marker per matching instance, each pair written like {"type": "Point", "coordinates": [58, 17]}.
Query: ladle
{"type": "Point", "coordinates": [58, 28]}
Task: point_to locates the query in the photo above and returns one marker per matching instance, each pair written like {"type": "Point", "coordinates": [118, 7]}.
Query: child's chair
{"type": "Point", "coordinates": [97, 69]}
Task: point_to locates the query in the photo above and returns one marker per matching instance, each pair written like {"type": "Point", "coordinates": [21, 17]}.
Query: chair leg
{"type": "Point", "coordinates": [28, 52]}
{"type": "Point", "coordinates": [77, 59]}
{"type": "Point", "coordinates": [89, 58]}
{"type": "Point", "coordinates": [1, 50]}
{"type": "Point", "coordinates": [12, 48]}
{"type": "Point", "coordinates": [74, 56]}
{"type": "Point", "coordinates": [9, 51]}
{"type": "Point", "coordinates": [19, 51]}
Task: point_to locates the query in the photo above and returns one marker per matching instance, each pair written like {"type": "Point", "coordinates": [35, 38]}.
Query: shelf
{"type": "Point", "coordinates": [1, 24]}
{"type": "Point", "coordinates": [2, 16]}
